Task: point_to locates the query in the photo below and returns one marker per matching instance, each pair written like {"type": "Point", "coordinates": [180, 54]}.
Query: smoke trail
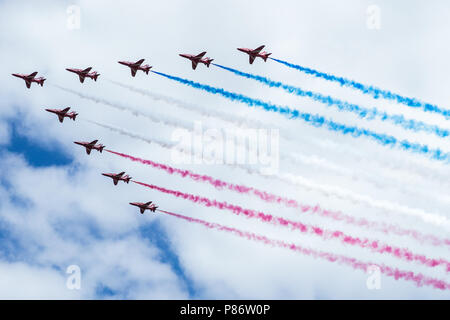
{"type": "Point", "coordinates": [438, 220]}
{"type": "Point", "coordinates": [124, 132]}
{"type": "Point", "coordinates": [309, 160]}
{"type": "Point", "coordinates": [245, 123]}
{"type": "Point", "coordinates": [192, 107]}
{"type": "Point", "coordinates": [295, 157]}
{"type": "Point", "coordinates": [157, 119]}
{"type": "Point", "coordinates": [370, 90]}
{"type": "Point", "coordinates": [373, 245]}
{"type": "Point", "coordinates": [418, 279]}
{"type": "Point", "coordinates": [296, 180]}
{"type": "Point", "coordinates": [273, 198]}
{"type": "Point", "coordinates": [363, 113]}
{"type": "Point", "coordinates": [319, 121]}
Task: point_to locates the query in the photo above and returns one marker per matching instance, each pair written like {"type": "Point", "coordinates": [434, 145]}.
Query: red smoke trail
{"type": "Point", "coordinates": [373, 245]}
{"type": "Point", "coordinates": [419, 279]}
{"type": "Point", "coordinates": [269, 197]}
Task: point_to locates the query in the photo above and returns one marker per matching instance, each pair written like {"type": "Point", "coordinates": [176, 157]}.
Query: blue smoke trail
{"type": "Point", "coordinates": [370, 90]}
{"type": "Point", "coordinates": [363, 113]}
{"type": "Point", "coordinates": [318, 121]}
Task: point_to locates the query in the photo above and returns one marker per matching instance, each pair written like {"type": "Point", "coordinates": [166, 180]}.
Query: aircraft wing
{"type": "Point", "coordinates": [81, 78]}
{"type": "Point", "coordinates": [200, 55]}
{"type": "Point", "coordinates": [28, 84]}
{"type": "Point", "coordinates": [133, 72]}
{"type": "Point", "coordinates": [87, 70]}
{"type": "Point", "coordinates": [93, 143]}
{"type": "Point", "coordinates": [61, 118]}
{"type": "Point", "coordinates": [139, 62]}
{"type": "Point", "coordinates": [251, 58]}
{"type": "Point", "coordinates": [88, 150]}
{"type": "Point", "coordinates": [257, 50]}
{"type": "Point", "coordinates": [115, 181]}
{"type": "Point", "coordinates": [32, 75]}
{"type": "Point", "coordinates": [65, 110]}
{"type": "Point", "coordinates": [194, 64]}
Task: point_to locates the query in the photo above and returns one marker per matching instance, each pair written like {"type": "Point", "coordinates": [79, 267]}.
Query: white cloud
{"type": "Point", "coordinates": [74, 215]}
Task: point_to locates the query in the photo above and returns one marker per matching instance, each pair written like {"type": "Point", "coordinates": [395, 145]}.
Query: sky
{"type": "Point", "coordinates": [58, 211]}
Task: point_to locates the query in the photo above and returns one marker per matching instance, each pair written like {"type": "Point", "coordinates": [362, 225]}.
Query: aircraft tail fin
{"type": "Point", "coordinates": [208, 62]}
{"type": "Point", "coordinates": [265, 56]}
{"type": "Point", "coordinates": [73, 116]}
{"type": "Point", "coordinates": [146, 68]}
{"type": "Point", "coordinates": [41, 81]}
{"type": "Point", "coordinates": [96, 76]}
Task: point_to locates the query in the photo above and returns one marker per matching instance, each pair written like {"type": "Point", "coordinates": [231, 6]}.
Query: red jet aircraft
{"type": "Point", "coordinates": [145, 206]}
{"type": "Point", "coordinates": [117, 177]}
{"type": "Point", "coordinates": [197, 59]}
{"type": "Point", "coordinates": [91, 146]}
{"type": "Point", "coordinates": [30, 78]}
{"type": "Point", "coordinates": [84, 73]}
{"type": "Point", "coordinates": [135, 66]}
{"type": "Point", "coordinates": [63, 113]}
{"type": "Point", "coordinates": [253, 53]}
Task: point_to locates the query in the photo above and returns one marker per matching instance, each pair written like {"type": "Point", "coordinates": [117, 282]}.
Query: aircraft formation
{"type": "Point", "coordinates": [134, 68]}
{"type": "Point", "coordinates": [401, 253]}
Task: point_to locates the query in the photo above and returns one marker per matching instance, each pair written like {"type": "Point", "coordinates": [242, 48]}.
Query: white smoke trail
{"type": "Point", "coordinates": [290, 154]}
{"type": "Point", "coordinates": [289, 178]}
{"type": "Point", "coordinates": [156, 119]}
{"type": "Point", "coordinates": [294, 158]}
{"type": "Point", "coordinates": [210, 113]}
{"type": "Point", "coordinates": [247, 123]}
{"type": "Point", "coordinates": [340, 193]}
{"type": "Point", "coordinates": [329, 191]}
